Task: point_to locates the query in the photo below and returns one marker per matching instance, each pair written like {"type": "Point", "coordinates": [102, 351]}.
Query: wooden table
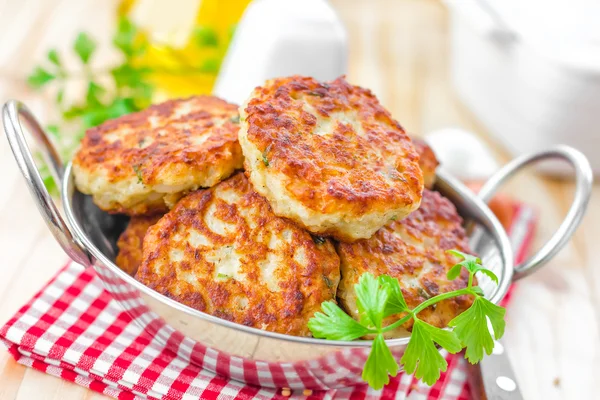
{"type": "Point", "coordinates": [399, 49]}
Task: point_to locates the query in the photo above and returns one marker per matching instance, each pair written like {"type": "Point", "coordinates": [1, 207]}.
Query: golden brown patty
{"type": "Point", "coordinates": [142, 163]}
{"type": "Point", "coordinates": [427, 161]}
{"type": "Point", "coordinates": [414, 251]}
{"type": "Point", "coordinates": [328, 156]}
{"type": "Point", "coordinates": [224, 252]}
{"type": "Point", "coordinates": [130, 243]}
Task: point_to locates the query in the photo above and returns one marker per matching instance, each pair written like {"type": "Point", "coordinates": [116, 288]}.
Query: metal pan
{"type": "Point", "coordinates": [251, 355]}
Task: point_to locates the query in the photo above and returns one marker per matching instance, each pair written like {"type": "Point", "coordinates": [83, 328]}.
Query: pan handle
{"type": "Point", "coordinates": [12, 113]}
{"type": "Point", "coordinates": [583, 190]}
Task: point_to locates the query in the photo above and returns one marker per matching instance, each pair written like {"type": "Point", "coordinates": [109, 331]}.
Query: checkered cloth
{"type": "Point", "coordinates": [73, 329]}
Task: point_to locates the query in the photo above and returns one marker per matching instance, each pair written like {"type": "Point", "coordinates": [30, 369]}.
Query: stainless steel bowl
{"type": "Point", "coordinates": [246, 354]}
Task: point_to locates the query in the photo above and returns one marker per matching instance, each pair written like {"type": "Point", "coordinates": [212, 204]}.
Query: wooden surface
{"type": "Point", "coordinates": [399, 49]}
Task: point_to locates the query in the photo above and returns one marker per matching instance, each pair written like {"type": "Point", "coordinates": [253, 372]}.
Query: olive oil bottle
{"type": "Point", "coordinates": [188, 41]}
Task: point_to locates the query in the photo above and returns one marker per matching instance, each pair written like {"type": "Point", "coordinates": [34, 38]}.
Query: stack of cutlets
{"type": "Point", "coordinates": [258, 217]}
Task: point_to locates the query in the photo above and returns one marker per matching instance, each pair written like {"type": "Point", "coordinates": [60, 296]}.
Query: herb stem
{"type": "Point", "coordinates": [398, 323]}
{"type": "Point", "coordinates": [426, 304]}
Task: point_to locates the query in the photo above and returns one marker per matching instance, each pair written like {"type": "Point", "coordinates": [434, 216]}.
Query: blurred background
{"type": "Point", "coordinates": [529, 81]}
{"type": "Point", "coordinates": [482, 80]}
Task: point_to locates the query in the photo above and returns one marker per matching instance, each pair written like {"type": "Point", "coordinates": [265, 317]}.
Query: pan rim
{"type": "Point", "coordinates": [444, 180]}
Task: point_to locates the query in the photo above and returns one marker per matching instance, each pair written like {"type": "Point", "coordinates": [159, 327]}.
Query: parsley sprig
{"type": "Point", "coordinates": [127, 88]}
{"type": "Point", "coordinates": [381, 297]}
{"type": "Point", "coordinates": [110, 90]}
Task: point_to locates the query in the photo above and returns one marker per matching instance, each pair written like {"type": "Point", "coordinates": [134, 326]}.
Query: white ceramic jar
{"type": "Point", "coordinates": [280, 38]}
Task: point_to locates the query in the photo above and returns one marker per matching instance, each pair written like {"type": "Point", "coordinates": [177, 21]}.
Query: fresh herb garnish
{"type": "Point", "coordinates": [39, 77]}
{"type": "Point", "coordinates": [265, 160]}
{"type": "Point", "coordinates": [111, 90]}
{"type": "Point", "coordinates": [379, 298]}
{"type": "Point", "coordinates": [129, 91]}
{"type": "Point", "coordinates": [138, 172]}
{"type": "Point", "coordinates": [84, 47]}
{"type": "Point", "coordinates": [235, 120]}
{"type": "Point", "coordinates": [223, 276]}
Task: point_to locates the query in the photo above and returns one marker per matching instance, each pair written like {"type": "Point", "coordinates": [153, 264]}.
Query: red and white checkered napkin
{"type": "Point", "coordinates": [74, 330]}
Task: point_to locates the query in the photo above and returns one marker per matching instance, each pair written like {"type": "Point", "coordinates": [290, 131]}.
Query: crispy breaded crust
{"type": "Point", "coordinates": [130, 243]}
{"type": "Point", "coordinates": [427, 161]}
{"type": "Point", "coordinates": [328, 156]}
{"type": "Point", "coordinates": [414, 251]}
{"type": "Point", "coordinates": [142, 163]}
{"type": "Point", "coordinates": [224, 252]}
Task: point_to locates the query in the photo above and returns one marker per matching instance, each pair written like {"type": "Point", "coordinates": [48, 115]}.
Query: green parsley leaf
{"type": "Point", "coordinates": [93, 94]}
{"type": "Point", "coordinates": [53, 130]}
{"type": "Point", "coordinates": [380, 364]}
{"type": "Point", "coordinates": [93, 117]}
{"type": "Point", "coordinates": [478, 290]}
{"type": "Point", "coordinates": [471, 264]}
{"type": "Point", "coordinates": [54, 58]}
{"type": "Point", "coordinates": [467, 258]}
{"type": "Point", "coordinates": [395, 302]}
{"type": "Point", "coordinates": [126, 75]}
{"type": "Point", "coordinates": [334, 324]}
{"type": "Point", "coordinates": [265, 159]}
{"type": "Point", "coordinates": [119, 107]}
{"type": "Point", "coordinates": [48, 180]}
{"type": "Point", "coordinates": [454, 272]}
{"type": "Point", "coordinates": [134, 81]}
{"type": "Point", "coordinates": [143, 95]}
{"type": "Point", "coordinates": [50, 184]}
{"type": "Point", "coordinates": [489, 273]}
{"type": "Point", "coordinates": [126, 39]}
{"type": "Point", "coordinates": [73, 112]}
{"type": "Point", "coordinates": [205, 36]}
{"type": "Point", "coordinates": [133, 88]}
{"type": "Point", "coordinates": [422, 357]}
{"type": "Point", "coordinates": [39, 77]}
{"type": "Point", "coordinates": [47, 177]}
{"type": "Point", "coordinates": [60, 95]}
{"type": "Point", "coordinates": [84, 47]}
{"type": "Point", "coordinates": [223, 276]}
{"type": "Point", "coordinates": [138, 171]}
{"type": "Point", "coordinates": [382, 297]}
{"type": "Point", "coordinates": [96, 116]}
{"type": "Point", "coordinates": [371, 299]}
{"type": "Point", "coordinates": [471, 327]}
